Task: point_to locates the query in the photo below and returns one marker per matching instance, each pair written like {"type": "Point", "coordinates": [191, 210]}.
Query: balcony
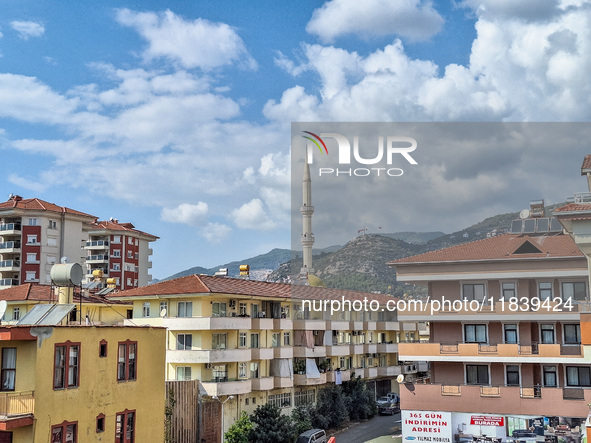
{"type": "Point", "coordinates": [370, 348]}
{"type": "Point", "coordinates": [388, 326]}
{"type": "Point", "coordinates": [262, 354]}
{"type": "Point", "coordinates": [10, 265]}
{"type": "Point", "coordinates": [356, 349]}
{"type": "Point", "coordinates": [228, 387]}
{"type": "Point", "coordinates": [389, 371]}
{"type": "Point", "coordinates": [303, 380]}
{"type": "Point", "coordinates": [10, 228]}
{"type": "Point", "coordinates": [283, 352]}
{"type": "Point", "coordinates": [331, 376]}
{"type": "Point", "coordinates": [262, 384]}
{"type": "Point", "coordinates": [305, 352]}
{"type": "Point", "coordinates": [309, 325]}
{"type": "Point", "coordinates": [282, 323]}
{"type": "Point", "coordinates": [338, 350]}
{"type": "Point", "coordinates": [99, 258]}
{"type": "Point", "coordinates": [9, 282]}
{"type": "Point", "coordinates": [208, 356]}
{"type": "Point", "coordinates": [10, 247]}
{"type": "Point", "coordinates": [370, 372]}
{"type": "Point", "coordinates": [509, 400]}
{"type": "Point", "coordinates": [262, 324]}
{"type": "Point", "coordinates": [387, 348]}
{"type": "Point", "coordinates": [282, 382]}
{"type": "Point", "coordinates": [196, 323]}
{"type": "Point", "coordinates": [97, 244]}
{"type": "Point", "coordinates": [16, 409]}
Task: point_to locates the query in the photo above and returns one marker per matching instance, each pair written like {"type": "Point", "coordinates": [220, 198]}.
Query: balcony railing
{"type": "Point", "coordinates": [97, 243]}
{"type": "Point", "coordinates": [10, 264]}
{"type": "Point", "coordinates": [531, 392]}
{"type": "Point", "coordinates": [8, 282]}
{"type": "Point", "coordinates": [97, 257]}
{"type": "Point", "coordinates": [10, 245]}
{"type": "Point", "coordinates": [573, 394]}
{"type": "Point", "coordinates": [490, 391]}
{"type": "Point", "coordinates": [451, 390]}
{"type": "Point", "coordinates": [10, 227]}
{"type": "Point", "coordinates": [17, 403]}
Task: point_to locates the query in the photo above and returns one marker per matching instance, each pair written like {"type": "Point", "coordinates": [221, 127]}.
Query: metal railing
{"type": "Point", "coordinates": [10, 245]}
{"type": "Point", "coordinates": [98, 243]}
{"type": "Point", "coordinates": [10, 227]}
{"type": "Point", "coordinates": [531, 392]}
{"type": "Point", "coordinates": [8, 282]}
{"type": "Point", "coordinates": [17, 403]}
{"type": "Point", "coordinates": [10, 264]}
{"type": "Point", "coordinates": [97, 257]}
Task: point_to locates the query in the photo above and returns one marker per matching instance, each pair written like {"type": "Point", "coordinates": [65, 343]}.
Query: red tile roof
{"type": "Point", "coordinates": [573, 207]}
{"type": "Point", "coordinates": [35, 204]}
{"type": "Point", "coordinates": [586, 164]}
{"type": "Point", "coordinates": [207, 284]}
{"type": "Point", "coordinates": [37, 292]}
{"type": "Point", "coordinates": [116, 226]}
{"type": "Point", "coordinates": [501, 247]}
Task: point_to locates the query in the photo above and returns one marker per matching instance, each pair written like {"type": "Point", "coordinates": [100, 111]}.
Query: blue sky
{"type": "Point", "coordinates": [175, 116]}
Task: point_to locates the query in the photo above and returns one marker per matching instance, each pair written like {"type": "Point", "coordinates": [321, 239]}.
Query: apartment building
{"type": "Point", "coordinates": [505, 349]}
{"type": "Point", "coordinates": [81, 384]}
{"type": "Point", "coordinates": [35, 235]}
{"type": "Point", "coordinates": [261, 342]}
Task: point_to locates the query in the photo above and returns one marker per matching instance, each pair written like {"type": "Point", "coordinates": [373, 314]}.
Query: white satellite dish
{"type": "Point", "coordinates": [64, 260]}
{"type": "Point", "coordinates": [524, 214]}
{"type": "Point", "coordinates": [3, 306]}
{"type": "Point", "coordinates": [163, 313]}
{"type": "Point", "coordinates": [400, 378]}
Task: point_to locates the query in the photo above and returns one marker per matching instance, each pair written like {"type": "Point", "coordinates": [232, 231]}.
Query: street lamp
{"type": "Point", "coordinates": [215, 397]}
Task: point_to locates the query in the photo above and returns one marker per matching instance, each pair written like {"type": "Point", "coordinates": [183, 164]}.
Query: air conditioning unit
{"type": "Point", "coordinates": [208, 366]}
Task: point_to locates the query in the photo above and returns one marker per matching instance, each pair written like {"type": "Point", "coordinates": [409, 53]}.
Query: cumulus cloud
{"type": "Point", "coordinates": [412, 19]}
{"type": "Point", "coordinates": [191, 44]}
{"type": "Point", "coordinates": [186, 213]}
{"type": "Point", "coordinates": [28, 29]}
{"type": "Point", "coordinates": [23, 182]}
{"type": "Point", "coordinates": [252, 215]}
{"type": "Point", "coordinates": [215, 232]}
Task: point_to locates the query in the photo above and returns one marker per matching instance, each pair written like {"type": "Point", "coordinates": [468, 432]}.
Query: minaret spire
{"type": "Point", "coordinates": [307, 210]}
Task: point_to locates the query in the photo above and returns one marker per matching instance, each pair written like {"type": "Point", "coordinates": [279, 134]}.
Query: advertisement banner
{"type": "Point", "coordinates": [426, 426]}
{"type": "Point", "coordinates": [487, 420]}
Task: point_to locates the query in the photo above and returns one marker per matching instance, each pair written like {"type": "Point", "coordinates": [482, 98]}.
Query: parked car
{"type": "Point", "coordinates": [392, 397]}
{"type": "Point", "coordinates": [383, 400]}
{"type": "Point", "coordinates": [312, 436]}
{"type": "Point", "coordinates": [388, 409]}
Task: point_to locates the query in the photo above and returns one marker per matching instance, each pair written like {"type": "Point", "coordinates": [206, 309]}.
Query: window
{"type": "Point", "coordinates": [31, 257]}
{"type": "Point", "coordinates": [218, 309]}
{"type": "Point", "coordinates": [578, 376]}
{"type": "Point", "coordinates": [183, 373]}
{"type": "Point", "coordinates": [242, 340]}
{"type": "Point", "coordinates": [572, 334]}
{"type": "Point", "coordinates": [254, 369]}
{"type": "Point", "coordinates": [52, 241]}
{"type": "Point", "coordinates": [65, 433]}
{"type": "Point", "coordinates": [116, 266]}
{"type": "Point", "coordinates": [512, 375]}
{"type": "Point", "coordinates": [242, 309]}
{"type": "Point", "coordinates": [52, 224]}
{"type": "Point", "coordinates": [242, 370]}
{"type": "Point", "coordinates": [473, 291]}
{"type": "Point", "coordinates": [31, 275]}
{"type": "Point", "coordinates": [146, 309]}
{"type": "Point", "coordinates": [100, 423]}
{"type": "Point", "coordinates": [32, 222]}
{"type": "Point", "coordinates": [477, 374]}
{"type": "Point", "coordinates": [301, 398]}
{"type": "Point", "coordinates": [184, 342]}
{"type": "Point", "coordinates": [218, 341]}
{"type": "Point", "coordinates": [574, 290]}
{"type": "Point", "coordinates": [185, 309]}
{"type": "Point", "coordinates": [116, 239]}
{"type": "Point", "coordinates": [103, 348]}
{"type": "Point", "coordinates": [254, 310]}
{"type": "Point", "coordinates": [129, 241]}
{"type": "Point", "coordinates": [280, 400]}
{"type": "Point", "coordinates": [126, 358]}
{"type": "Point", "coordinates": [286, 339]}
{"type": "Point", "coordinates": [220, 373]}
{"type": "Point", "coordinates": [550, 376]}
{"type": "Point", "coordinates": [31, 239]}
{"type": "Point", "coordinates": [16, 313]}
{"type": "Point", "coordinates": [125, 427]}
{"type": "Point", "coordinates": [129, 254]}
{"type": "Point", "coordinates": [163, 308]}
{"type": "Point", "coordinates": [547, 332]}
{"type": "Point", "coordinates": [545, 290]}
{"type": "Point", "coordinates": [8, 369]}
{"type": "Point", "coordinates": [51, 259]}
{"type": "Point", "coordinates": [510, 333]}
{"type": "Point", "coordinates": [475, 334]}
{"type": "Point", "coordinates": [254, 340]}
{"type": "Point", "coordinates": [116, 252]}
{"type": "Point", "coordinates": [66, 368]}
{"type": "Point", "coordinates": [276, 340]}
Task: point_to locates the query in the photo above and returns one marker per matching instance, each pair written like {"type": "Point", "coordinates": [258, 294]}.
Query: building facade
{"type": "Point", "coordinates": [35, 235]}
{"type": "Point", "coordinates": [81, 384]}
{"type": "Point", "coordinates": [506, 353]}
{"type": "Point", "coordinates": [260, 342]}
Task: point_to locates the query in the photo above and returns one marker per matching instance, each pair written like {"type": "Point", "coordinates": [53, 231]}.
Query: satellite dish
{"type": "Point", "coordinates": [64, 260]}
{"type": "Point", "coordinates": [400, 378]}
{"type": "Point", "coordinates": [3, 306]}
{"type": "Point", "coordinates": [10, 196]}
{"type": "Point", "coordinates": [524, 214]}
{"type": "Point", "coordinates": [163, 313]}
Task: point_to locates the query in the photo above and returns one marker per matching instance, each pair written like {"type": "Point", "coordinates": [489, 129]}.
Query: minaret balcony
{"type": "Point", "coordinates": [307, 210]}
{"type": "Point", "coordinates": [306, 238]}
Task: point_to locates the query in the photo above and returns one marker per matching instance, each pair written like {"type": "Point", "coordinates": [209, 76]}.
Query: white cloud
{"type": "Point", "coordinates": [215, 232]}
{"type": "Point", "coordinates": [411, 19]}
{"type": "Point", "coordinates": [186, 213]}
{"type": "Point", "coordinates": [26, 183]}
{"type": "Point", "coordinates": [252, 215]}
{"type": "Point", "coordinates": [28, 29]}
{"type": "Point", "coordinates": [192, 44]}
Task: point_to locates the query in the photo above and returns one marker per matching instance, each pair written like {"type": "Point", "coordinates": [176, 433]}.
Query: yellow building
{"type": "Point", "coordinates": [265, 342]}
{"type": "Point", "coordinates": [81, 384]}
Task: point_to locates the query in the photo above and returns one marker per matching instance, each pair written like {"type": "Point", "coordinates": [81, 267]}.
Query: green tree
{"type": "Point", "coordinates": [331, 408]}
{"type": "Point", "coordinates": [361, 404]}
{"type": "Point", "coordinates": [270, 426]}
{"type": "Point", "coordinates": [301, 417]}
{"type": "Point", "coordinates": [238, 432]}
